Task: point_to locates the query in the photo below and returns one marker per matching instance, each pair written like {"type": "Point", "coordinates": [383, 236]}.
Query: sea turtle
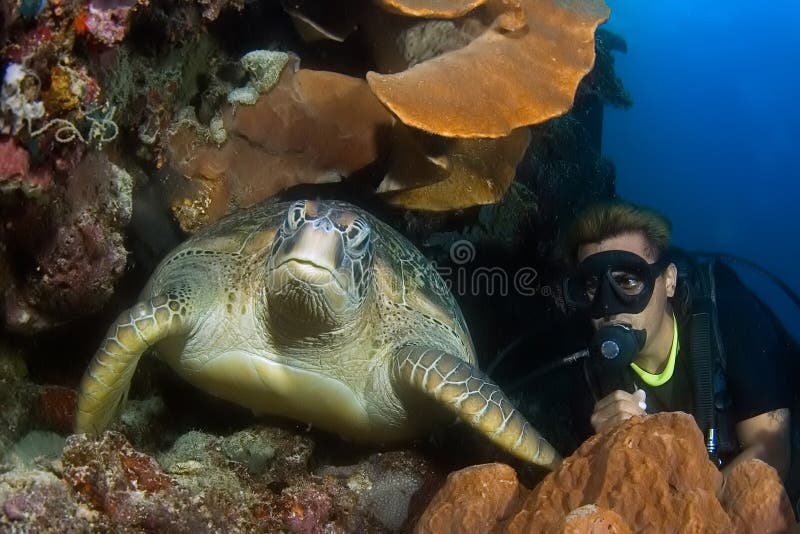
{"type": "Point", "coordinates": [317, 311]}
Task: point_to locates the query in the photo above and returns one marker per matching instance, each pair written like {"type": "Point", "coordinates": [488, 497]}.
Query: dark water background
{"type": "Point", "coordinates": [712, 137]}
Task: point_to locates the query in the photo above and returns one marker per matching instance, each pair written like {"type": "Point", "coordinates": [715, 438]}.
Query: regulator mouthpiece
{"type": "Point", "coordinates": [617, 344]}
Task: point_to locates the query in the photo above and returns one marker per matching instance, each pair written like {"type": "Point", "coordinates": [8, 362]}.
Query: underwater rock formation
{"type": "Point", "coordinates": [650, 473]}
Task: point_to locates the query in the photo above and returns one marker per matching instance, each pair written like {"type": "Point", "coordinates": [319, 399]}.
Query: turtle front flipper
{"type": "Point", "coordinates": [478, 401]}
{"type": "Point", "coordinates": [105, 384]}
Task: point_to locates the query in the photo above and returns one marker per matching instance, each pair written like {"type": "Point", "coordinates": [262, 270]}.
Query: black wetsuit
{"type": "Point", "coordinates": [756, 366]}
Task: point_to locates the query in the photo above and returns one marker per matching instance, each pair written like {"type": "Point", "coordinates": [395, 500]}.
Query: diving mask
{"type": "Point", "coordinates": [613, 282]}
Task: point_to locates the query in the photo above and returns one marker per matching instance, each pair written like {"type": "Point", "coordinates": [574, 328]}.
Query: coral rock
{"type": "Point", "coordinates": [591, 519]}
{"type": "Point", "coordinates": [755, 499]}
{"type": "Point", "coordinates": [474, 499]}
{"type": "Point", "coordinates": [302, 131]}
{"type": "Point", "coordinates": [650, 474]}
{"type": "Point", "coordinates": [14, 160]}
{"type": "Point", "coordinates": [17, 395]}
{"type": "Point", "coordinates": [522, 70]}
{"type": "Point", "coordinates": [652, 471]}
{"type": "Point", "coordinates": [124, 484]}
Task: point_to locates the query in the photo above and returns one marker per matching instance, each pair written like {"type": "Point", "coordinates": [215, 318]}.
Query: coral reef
{"type": "Point", "coordinates": [95, 93]}
{"type": "Point", "coordinates": [603, 81]}
{"type": "Point", "coordinates": [16, 174]}
{"type": "Point", "coordinates": [649, 474]}
{"type": "Point", "coordinates": [264, 67]}
{"type": "Point", "coordinates": [756, 501]}
{"type": "Point", "coordinates": [259, 478]}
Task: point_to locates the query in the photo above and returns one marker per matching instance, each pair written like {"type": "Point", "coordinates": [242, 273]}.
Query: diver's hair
{"type": "Point", "coordinates": [609, 219]}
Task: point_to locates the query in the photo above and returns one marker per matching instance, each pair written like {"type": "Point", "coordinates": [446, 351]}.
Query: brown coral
{"type": "Point", "coordinates": [756, 501]}
{"type": "Point", "coordinates": [474, 499]}
{"type": "Point", "coordinates": [652, 471]}
{"type": "Point", "coordinates": [446, 9]}
{"type": "Point", "coordinates": [444, 174]}
{"type": "Point", "coordinates": [313, 127]}
{"type": "Point", "coordinates": [512, 75]}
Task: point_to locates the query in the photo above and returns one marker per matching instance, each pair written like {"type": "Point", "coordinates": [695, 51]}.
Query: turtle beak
{"type": "Point", "coordinates": [314, 254]}
{"type": "Point", "coordinates": [307, 270]}
{"type": "Point", "coordinates": [315, 244]}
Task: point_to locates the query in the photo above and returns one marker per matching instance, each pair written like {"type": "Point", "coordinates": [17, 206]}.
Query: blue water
{"type": "Point", "coordinates": [712, 138]}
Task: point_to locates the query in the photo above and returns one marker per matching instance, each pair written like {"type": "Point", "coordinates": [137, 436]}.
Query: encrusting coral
{"type": "Point", "coordinates": [264, 67]}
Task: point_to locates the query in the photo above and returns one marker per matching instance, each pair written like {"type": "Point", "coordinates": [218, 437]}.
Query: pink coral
{"type": "Point", "coordinates": [14, 161]}
{"type": "Point", "coordinates": [108, 21]}
{"type": "Point", "coordinates": [15, 172]}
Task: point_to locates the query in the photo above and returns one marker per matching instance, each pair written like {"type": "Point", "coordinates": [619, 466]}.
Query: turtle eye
{"type": "Point", "coordinates": [296, 215]}
{"type": "Point", "coordinates": [357, 238]}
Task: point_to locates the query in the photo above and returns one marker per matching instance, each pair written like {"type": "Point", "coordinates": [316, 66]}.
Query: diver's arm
{"type": "Point", "coordinates": [766, 437]}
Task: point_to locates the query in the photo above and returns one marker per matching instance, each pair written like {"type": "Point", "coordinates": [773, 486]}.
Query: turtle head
{"type": "Point", "coordinates": [320, 267]}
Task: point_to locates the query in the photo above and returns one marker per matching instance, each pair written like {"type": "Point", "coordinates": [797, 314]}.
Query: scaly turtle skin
{"type": "Point", "coordinates": [315, 311]}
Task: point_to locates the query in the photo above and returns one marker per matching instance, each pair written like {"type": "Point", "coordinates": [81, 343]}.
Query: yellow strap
{"type": "Point", "coordinates": [663, 377]}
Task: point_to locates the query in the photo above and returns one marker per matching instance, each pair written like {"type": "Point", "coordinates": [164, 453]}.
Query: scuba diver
{"type": "Point", "coordinates": [672, 334]}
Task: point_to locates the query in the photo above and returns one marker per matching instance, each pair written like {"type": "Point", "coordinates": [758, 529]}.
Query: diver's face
{"type": "Point", "coordinates": [651, 318]}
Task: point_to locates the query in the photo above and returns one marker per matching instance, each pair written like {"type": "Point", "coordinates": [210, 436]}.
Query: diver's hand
{"type": "Point", "coordinates": [617, 407]}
